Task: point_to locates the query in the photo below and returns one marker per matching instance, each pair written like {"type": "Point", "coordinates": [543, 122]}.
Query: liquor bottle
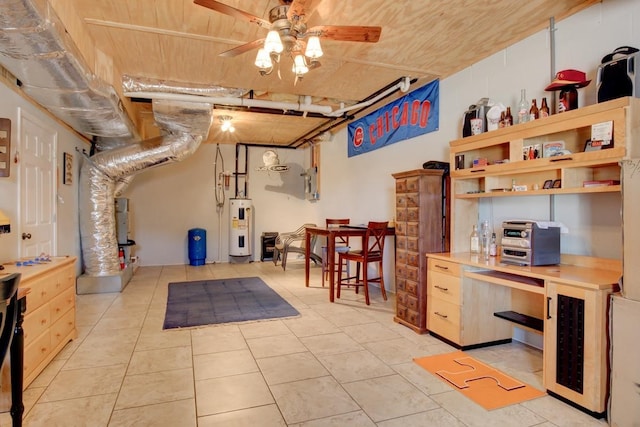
{"type": "Point", "coordinates": [493, 248]}
{"type": "Point", "coordinates": [508, 118]}
{"type": "Point", "coordinates": [502, 119]}
{"type": "Point", "coordinates": [534, 112]}
{"type": "Point", "coordinates": [485, 240]}
{"type": "Point", "coordinates": [474, 241]}
{"type": "Point", "coordinates": [544, 108]}
{"type": "Point", "coordinates": [523, 107]}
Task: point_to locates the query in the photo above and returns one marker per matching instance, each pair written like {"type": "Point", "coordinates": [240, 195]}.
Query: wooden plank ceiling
{"type": "Point", "coordinates": [177, 40]}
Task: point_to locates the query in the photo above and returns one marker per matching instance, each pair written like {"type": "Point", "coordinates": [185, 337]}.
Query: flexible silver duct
{"type": "Point", "coordinates": [35, 48]}
{"type": "Point", "coordinates": [186, 124]}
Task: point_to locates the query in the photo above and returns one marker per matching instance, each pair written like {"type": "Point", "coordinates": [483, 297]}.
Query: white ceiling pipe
{"type": "Point", "coordinates": [241, 102]}
{"type": "Point", "coordinates": [403, 85]}
{"type": "Point", "coordinates": [305, 106]}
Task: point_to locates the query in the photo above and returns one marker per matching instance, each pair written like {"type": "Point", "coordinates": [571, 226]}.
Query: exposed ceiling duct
{"type": "Point", "coordinates": [186, 124]}
{"type": "Point", "coordinates": [35, 48]}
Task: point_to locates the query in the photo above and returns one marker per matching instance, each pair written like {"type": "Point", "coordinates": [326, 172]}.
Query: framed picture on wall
{"type": "Point", "coordinates": [67, 169]}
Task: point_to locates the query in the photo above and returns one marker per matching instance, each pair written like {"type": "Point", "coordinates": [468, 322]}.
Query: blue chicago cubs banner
{"type": "Point", "coordinates": [414, 114]}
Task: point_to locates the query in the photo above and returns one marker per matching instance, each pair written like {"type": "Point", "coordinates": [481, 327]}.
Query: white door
{"type": "Point", "coordinates": [37, 186]}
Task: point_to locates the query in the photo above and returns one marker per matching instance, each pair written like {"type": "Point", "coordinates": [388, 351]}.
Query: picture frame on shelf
{"type": "Point", "coordinates": [557, 183]}
{"type": "Point", "coordinates": [547, 184]}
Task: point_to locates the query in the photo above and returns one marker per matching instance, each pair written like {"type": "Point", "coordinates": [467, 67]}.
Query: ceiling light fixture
{"type": "Point", "coordinates": [273, 47]}
{"type": "Point", "coordinates": [226, 125]}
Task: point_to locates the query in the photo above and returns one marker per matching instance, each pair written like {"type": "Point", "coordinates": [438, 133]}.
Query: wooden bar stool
{"type": "Point", "coordinates": [372, 251]}
{"type": "Point", "coordinates": [342, 245]}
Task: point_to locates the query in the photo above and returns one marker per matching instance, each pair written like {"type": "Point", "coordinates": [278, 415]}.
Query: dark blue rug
{"type": "Point", "coordinates": [208, 302]}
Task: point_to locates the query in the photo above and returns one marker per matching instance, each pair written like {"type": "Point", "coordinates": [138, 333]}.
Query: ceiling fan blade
{"type": "Point", "coordinates": [239, 50]}
{"type": "Point", "coordinates": [233, 12]}
{"type": "Point", "coordinates": [346, 33]}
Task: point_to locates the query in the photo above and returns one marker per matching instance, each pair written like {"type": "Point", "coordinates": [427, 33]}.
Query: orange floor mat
{"type": "Point", "coordinates": [481, 383]}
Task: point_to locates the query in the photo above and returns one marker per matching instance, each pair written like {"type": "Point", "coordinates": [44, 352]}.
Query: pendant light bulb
{"type": "Point", "coordinates": [299, 65]}
{"type": "Point", "coordinates": [272, 43]}
{"type": "Point", "coordinates": [313, 50]}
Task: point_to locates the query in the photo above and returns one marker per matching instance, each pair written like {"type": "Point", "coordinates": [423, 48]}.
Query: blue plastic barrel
{"type": "Point", "coordinates": [197, 246]}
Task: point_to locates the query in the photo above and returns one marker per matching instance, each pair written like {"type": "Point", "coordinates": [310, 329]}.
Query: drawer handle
{"type": "Point", "coordinates": [441, 288]}
{"type": "Point", "coordinates": [442, 267]}
{"type": "Point", "coordinates": [561, 159]}
{"type": "Point", "coordinates": [444, 316]}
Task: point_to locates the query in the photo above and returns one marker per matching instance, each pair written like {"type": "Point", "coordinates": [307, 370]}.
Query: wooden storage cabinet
{"type": "Point", "coordinates": [575, 345]}
{"type": "Point", "coordinates": [49, 320]}
{"type": "Point", "coordinates": [420, 228]}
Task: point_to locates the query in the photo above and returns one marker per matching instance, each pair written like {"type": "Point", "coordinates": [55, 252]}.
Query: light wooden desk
{"type": "Point", "coordinates": [471, 302]}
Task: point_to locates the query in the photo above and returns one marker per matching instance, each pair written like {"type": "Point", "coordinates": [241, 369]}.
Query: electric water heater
{"type": "Point", "coordinates": [241, 227]}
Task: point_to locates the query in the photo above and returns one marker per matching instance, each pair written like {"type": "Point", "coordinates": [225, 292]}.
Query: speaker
{"type": "Point", "coordinates": [618, 75]}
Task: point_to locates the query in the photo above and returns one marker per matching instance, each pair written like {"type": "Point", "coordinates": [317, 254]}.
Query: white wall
{"type": "Point", "coordinates": [68, 235]}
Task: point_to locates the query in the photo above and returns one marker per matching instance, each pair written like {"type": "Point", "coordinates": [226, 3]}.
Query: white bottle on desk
{"type": "Point", "coordinates": [485, 240]}
{"type": "Point", "coordinates": [474, 243]}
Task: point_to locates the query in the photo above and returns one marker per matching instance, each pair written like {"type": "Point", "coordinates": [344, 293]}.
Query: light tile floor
{"type": "Point", "coordinates": [337, 364]}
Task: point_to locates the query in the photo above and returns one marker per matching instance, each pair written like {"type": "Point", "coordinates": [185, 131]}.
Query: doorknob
{"type": "Point", "coordinates": [26, 236]}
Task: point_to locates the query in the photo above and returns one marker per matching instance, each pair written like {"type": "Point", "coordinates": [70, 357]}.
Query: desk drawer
{"type": "Point", "coordinates": [444, 286]}
{"type": "Point", "coordinates": [63, 327]}
{"type": "Point", "coordinates": [444, 319]}
{"type": "Point", "coordinates": [446, 267]}
{"type": "Point", "coordinates": [62, 303]}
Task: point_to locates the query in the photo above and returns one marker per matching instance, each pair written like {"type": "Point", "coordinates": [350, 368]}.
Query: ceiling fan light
{"type": "Point", "coordinates": [273, 43]}
{"type": "Point", "coordinates": [263, 60]}
{"type": "Point", "coordinates": [314, 50]}
{"type": "Point", "coordinates": [300, 65]}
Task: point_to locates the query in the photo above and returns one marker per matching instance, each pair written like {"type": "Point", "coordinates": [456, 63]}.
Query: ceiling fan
{"type": "Point", "coordinates": [288, 33]}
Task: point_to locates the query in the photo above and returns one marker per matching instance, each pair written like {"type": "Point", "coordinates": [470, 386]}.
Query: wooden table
{"type": "Point", "coordinates": [331, 233]}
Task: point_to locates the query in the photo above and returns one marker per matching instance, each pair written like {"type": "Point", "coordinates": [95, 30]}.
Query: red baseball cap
{"type": "Point", "coordinates": [568, 78]}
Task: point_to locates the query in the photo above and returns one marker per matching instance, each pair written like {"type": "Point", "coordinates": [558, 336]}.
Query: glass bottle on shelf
{"type": "Point", "coordinates": [501, 124]}
{"type": "Point", "coordinates": [544, 108]}
{"type": "Point", "coordinates": [508, 118]}
{"type": "Point", "coordinates": [493, 248]}
{"type": "Point", "coordinates": [523, 107]}
{"type": "Point", "coordinates": [474, 243]}
{"type": "Point", "coordinates": [534, 112]}
{"type": "Point", "coordinates": [485, 239]}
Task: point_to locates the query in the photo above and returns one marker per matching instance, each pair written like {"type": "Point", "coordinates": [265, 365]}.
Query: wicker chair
{"type": "Point", "coordinates": [294, 241]}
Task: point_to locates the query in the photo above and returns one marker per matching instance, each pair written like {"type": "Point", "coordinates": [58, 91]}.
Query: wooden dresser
{"type": "Point", "coordinates": [421, 227]}
{"type": "Point", "coordinates": [50, 317]}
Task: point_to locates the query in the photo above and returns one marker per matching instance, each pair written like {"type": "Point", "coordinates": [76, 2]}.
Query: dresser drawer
{"type": "Point", "coordinates": [412, 200]}
{"type": "Point", "coordinates": [412, 302]}
{"type": "Point", "coordinates": [401, 185]}
{"type": "Point", "coordinates": [63, 327]}
{"type": "Point", "coordinates": [413, 184]}
{"type": "Point", "coordinates": [401, 201]}
{"type": "Point", "coordinates": [39, 293]}
{"type": "Point", "coordinates": [443, 286]}
{"type": "Point", "coordinates": [400, 283]}
{"type": "Point", "coordinates": [36, 352]}
{"type": "Point", "coordinates": [447, 267]}
{"type": "Point", "coordinates": [62, 303]}
{"type": "Point", "coordinates": [413, 214]}
{"type": "Point", "coordinates": [413, 229]}
{"type": "Point", "coordinates": [409, 316]}
{"type": "Point", "coordinates": [401, 241]}
{"type": "Point", "coordinates": [411, 286]}
{"type": "Point", "coordinates": [411, 273]}
{"type": "Point", "coordinates": [401, 229]}
{"type": "Point", "coordinates": [36, 323]}
{"type": "Point", "coordinates": [412, 259]}
{"type": "Point", "coordinates": [401, 256]}
{"type": "Point", "coordinates": [401, 215]}
{"type": "Point", "coordinates": [412, 244]}
{"type": "Point", "coordinates": [444, 319]}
